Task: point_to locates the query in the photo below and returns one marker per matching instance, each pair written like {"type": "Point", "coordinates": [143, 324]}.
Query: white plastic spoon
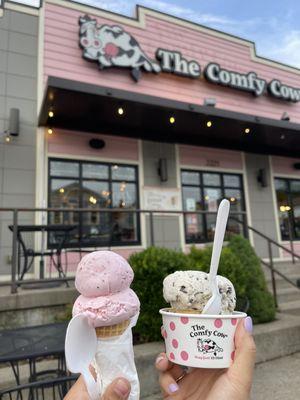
{"type": "Point", "coordinates": [213, 306]}
{"type": "Point", "coordinates": [80, 349]}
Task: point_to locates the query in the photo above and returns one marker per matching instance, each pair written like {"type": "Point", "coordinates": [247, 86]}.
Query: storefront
{"type": "Point", "coordinates": [159, 113]}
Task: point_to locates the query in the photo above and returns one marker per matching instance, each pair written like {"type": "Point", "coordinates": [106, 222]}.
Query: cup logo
{"type": "Point", "coordinates": [206, 346]}
{"type": "Point", "coordinates": [111, 46]}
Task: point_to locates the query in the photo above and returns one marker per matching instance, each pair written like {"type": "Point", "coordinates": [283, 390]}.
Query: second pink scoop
{"type": "Point", "coordinates": [108, 310]}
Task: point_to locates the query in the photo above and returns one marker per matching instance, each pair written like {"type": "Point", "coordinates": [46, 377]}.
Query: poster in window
{"type": "Point", "coordinates": [190, 204]}
{"type": "Point", "coordinates": [158, 199]}
{"type": "Point", "coordinates": [191, 223]}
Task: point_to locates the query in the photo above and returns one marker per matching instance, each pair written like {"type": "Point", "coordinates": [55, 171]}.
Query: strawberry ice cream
{"type": "Point", "coordinates": [108, 310]}
{"type": "Point", "coordinates": [102, 273]}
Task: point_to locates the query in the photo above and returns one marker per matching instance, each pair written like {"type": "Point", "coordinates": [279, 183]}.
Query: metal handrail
{"type": "Point", "coordinates": [270, 265]}
{"type": "Point", "coordinates": [15, 282]}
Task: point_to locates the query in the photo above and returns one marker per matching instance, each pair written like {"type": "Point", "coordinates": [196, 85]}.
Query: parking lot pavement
{"type": "Point", "coordinates": [273, 380]}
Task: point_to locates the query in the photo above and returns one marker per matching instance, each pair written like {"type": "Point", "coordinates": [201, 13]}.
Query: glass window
{"type": "Point", "coordinates": [288, 205]}
{"type": "Point", "coordinates": [97, 185]}
{"type": "Point", "coordinates": [123, 173]}
{"type": "Point", "coordinates": [211, 179]}
{"type": "Point", "coordinates": [232, 180]}
{"type": "Point", "coordinates": [190, 178]}
{"type": "Point", "coordinates": [97, 171]}
{"type": "Point", "coordinates": [64, 168]}
{"type": "Point", "coordinates": [204, 191]}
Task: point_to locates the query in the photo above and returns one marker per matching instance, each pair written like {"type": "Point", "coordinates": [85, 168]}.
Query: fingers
{"type": "Point", "coordinates": [169, 372]}
{"type": "Point", "coordinates": [242, 368]}
{"type": "Point", "coordinates": [119, 389]}
{"type": "Point", "coordinates": [78, 391]}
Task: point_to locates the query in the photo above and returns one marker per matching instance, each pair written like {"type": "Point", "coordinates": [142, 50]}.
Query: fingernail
{"type": "Point", "coordinates": [248, 324]}
{"type": "Point", "coordinates": [121, 388]}
{"type": "Point", "coordinates": [173, 387]}
{"type": "Point", "coordinates": [159, 359]}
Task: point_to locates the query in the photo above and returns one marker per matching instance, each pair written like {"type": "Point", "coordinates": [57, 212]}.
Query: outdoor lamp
{"type": "Point", "coordinates": [262, 177]}
{"type": "Point", "coordinates": [210, 101]}
{"type": "Point", "coordinates": [285, 116]}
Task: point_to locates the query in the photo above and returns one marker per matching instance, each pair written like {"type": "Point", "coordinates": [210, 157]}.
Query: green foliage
{"type": "Point", "coordinates": [230, 266]}
{"type": "Point", "coordinates": [262, 307]}
{"type": "Point", "coordinates": [64, 315]}
{"type": "Point", "coordinates": [150, 268]}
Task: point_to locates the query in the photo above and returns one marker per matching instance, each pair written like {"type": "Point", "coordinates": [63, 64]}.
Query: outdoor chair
{"type": "Point", "coordinates": [54, 389]}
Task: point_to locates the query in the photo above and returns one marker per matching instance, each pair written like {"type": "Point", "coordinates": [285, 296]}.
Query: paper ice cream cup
{"type": "Point", "coordinates": [200, 340]}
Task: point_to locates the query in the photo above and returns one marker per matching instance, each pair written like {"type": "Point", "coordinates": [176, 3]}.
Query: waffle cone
{"type": "Point", "coordinates": [187, 311]}
{"type": "Point", "coordinates": [112, 330]}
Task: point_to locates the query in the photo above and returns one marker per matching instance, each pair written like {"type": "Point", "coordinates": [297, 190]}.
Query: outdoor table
{"type": "Point", "coordinates": [29, 254]}
{"type": "Point", "coordinates": [33, 343]}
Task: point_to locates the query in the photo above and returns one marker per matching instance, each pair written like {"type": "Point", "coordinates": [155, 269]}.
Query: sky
{"type": "Point", "coordinates": [274, 25]}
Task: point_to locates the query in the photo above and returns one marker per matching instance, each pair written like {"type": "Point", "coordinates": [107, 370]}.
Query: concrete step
{"type": "Point", "coordinates": [282, 283]}
{"type": "Point", "coordinates": [290, 307]}
{"type": "Point", "coordinates": [288, 294]}
{"type": "Point", "coordinates": [287, 269]}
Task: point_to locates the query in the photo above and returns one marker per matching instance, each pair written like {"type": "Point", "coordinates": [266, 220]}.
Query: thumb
{"type": "Point", "coordinates": [241, 370]}
{"type": "Point", "coordinates": [119, 389]}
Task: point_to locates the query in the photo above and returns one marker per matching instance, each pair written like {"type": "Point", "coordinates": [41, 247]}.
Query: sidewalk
{"type": "Point", "coordinates": [273, 380]}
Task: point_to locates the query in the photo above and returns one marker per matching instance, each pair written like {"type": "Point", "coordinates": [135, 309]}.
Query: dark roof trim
{"type": "Point", "coordinates": [123, 95]}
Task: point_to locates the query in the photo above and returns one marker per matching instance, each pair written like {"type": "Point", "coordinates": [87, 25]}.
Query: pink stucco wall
{"type": "Point", "coordinates": [63, 58]}
{"type": "Point", "coordinates": [207, 157]}
{"type": "Point", "coordinates": [77, 143]}
{"type": "Point", "coordinates": [284, 165]}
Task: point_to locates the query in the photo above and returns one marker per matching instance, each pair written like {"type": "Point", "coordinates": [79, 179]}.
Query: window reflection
{"type": "Point", "coordinates": [288, 205]}
{"type": "Point", "coordinates": [204, 191]}
{"type": "Point", "coordinates": [98, 185]}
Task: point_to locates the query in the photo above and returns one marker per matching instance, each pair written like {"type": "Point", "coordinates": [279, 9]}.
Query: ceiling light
{"type": "Point", "coordinates": [232, 199]}
{"type": "Point", "coordinates": [208, 124]}
{"type": "Point", "coordinates": [172, 120]}
{"type": "Point", "coordinates": [282, 136]}
{"type": "Point", "coordinates": [7, 138]}
{"type": "Point", "coordinates": [51, 114]}
{"type": "Point", "coordinates": [50, 131]}
{"type": "Point", "coordinates": [247, 130]}
{"type": "Point", "coordinates": [120, 111]}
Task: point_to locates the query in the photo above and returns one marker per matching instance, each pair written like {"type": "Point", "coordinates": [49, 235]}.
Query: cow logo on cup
{"type": "Point", "coordinates": [207, 346]}
{"type": "Point", "coordinates": [111, 46]}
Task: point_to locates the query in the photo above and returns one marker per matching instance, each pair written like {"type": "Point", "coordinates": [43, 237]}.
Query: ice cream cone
{"type": "Point", "coordinates": [112, 330]}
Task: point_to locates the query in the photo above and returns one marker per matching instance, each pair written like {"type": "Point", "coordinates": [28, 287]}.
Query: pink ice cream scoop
{"type": "Point", "coordinates": [102, 273]}
{"type": "Point", "coordinates": [108, 310]}
{"type": "Point", "coordinates": [103, 279]}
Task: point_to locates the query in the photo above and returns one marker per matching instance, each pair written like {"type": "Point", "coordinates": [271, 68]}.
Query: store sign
{"type": "Point", "coordinates": [112, 46]}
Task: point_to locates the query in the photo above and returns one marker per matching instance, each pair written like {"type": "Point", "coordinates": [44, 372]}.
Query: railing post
{"type": "Point", "coordinates": [151, 229]}
{"type": "Point", "coordinates": [272, 273]}
{"type": "Point", "coordinates": [14, 252]}
{"type": "Point", "coordinates": [291, 237]}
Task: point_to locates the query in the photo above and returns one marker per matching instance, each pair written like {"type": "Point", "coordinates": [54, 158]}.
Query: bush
{"type": "Point", "coordinates": [262, 307]}
{"type": "Point", "coordinates": [150, 268]}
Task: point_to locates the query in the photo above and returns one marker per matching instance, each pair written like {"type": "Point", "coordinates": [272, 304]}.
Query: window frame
{"type": "Point", "coordinates": [291, 215]}
{"type": "Point", "coordinates": [110, 181]}
{"type": "Point", "coordinates": [201, 186]}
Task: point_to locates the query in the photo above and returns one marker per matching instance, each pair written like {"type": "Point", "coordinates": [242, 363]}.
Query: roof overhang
{"type": "Point", "coordinates": [89, 108]}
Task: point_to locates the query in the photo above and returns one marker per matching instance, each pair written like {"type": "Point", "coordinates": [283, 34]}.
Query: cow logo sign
{"type": "Point", "coordinates": [208, 346]}
{"type": "Point", "coordinates": [111, 46]}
